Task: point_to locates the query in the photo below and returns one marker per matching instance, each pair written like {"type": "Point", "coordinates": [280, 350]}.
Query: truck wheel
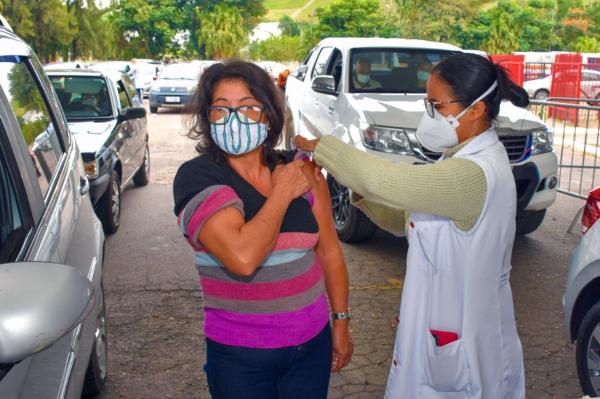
{"type": "Point", "coordinates": [351, 224]}
{"type": "Point", "coordinates": [541, 94]}
{"type": "Point", "coordinates": [588, 352]}
{"type": "Point", "coordinates": [95, 375]}
{"type": "Point", "coordinates": [529, 221]}
{"type": "Point", "coordinates": [142, 176]}
{"type": "Point", "coordinates": [109, 206]}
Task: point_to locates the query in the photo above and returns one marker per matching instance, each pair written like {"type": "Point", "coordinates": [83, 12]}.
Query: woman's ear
{"type": "Point", "coordinates": [478, 110]}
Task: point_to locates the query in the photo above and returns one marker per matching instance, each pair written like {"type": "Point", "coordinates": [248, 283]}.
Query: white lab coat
{"type": "Point", "coordinates": [459, 282]}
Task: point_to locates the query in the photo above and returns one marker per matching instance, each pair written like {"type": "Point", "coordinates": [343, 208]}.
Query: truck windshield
{"type": "Point", "coordinates": [392, 70]}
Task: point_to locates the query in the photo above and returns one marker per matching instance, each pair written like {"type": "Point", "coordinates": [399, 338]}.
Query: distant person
{"type": "Point", "coordinates": [282, 79]}
{"type": "Point", "coordinates": [138, 80]}
{"type": "Point", "coordinates": [267, 252]}
{"type": "Point", "coordinates": [362, 76]}
{"type": "Point", "coordinates": [423, 74]}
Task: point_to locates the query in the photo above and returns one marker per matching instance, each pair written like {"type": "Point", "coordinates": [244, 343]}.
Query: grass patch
{"type": "Point", "coordinates": [284, 4]}
{"type": "Point", "coordinates": [307, 13]}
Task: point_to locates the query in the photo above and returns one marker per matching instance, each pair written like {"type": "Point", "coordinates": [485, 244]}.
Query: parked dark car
{"type": "Point", "coordinates": [175, 85]}
{"type": "Point", "coordinates": [52, 317]}
{"type": "Point", "coordinates": [109, 123]}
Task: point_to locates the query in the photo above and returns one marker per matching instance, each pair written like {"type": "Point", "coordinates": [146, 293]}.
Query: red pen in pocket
{"type": "Point", "coordinates": [443, 337]}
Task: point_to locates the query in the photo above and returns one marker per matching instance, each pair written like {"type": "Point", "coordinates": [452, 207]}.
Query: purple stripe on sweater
{"type": "Point", "coordinates": [275, 330]}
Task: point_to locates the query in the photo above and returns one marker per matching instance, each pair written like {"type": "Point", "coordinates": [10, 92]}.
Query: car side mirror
{"type": "Point", "coordinates": [132, 113]}
{"type": "Point", "coordinates": [324, 84]}
{"type": "Point", "coordinates": [39, 303]}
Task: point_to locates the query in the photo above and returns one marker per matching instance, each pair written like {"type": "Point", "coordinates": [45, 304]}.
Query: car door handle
{"type": "Point", "coordinates": [330, 111]}
{"type": "Point", "coordinates": [84, 185]}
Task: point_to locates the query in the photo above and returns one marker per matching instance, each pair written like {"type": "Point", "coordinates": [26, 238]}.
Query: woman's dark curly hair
{"type": "Point", "coordinates": [261, 86]}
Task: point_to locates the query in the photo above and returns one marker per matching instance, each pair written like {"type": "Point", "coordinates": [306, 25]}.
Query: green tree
{"type": "Point", "coordinates": [95, 36]}
{"type": "Point", "coordinates": [442, 20]}
{"type": "Point", "coordinates": [586, 44]}
{"type": "Point", "coordinates": [353, 18]}
{"type": "Point", "coordinates": [501, 36]}
{"type": "Point", "coordinates": [222, 32]}
{"type": "Point", "coordinates": [278, 48]}
{"type": "Point", "coordinates": [147, 27]}
{"type": "Point", "coordinates": [250, 10]}
{"type": "Point", "coordinates": [289, 26]}
{"type": "Point", "coordinates": [47, 25]}
{"type": "Point", "coordinates": [510, 26]}
{"type": "Point", "coordinates": [18, 15]}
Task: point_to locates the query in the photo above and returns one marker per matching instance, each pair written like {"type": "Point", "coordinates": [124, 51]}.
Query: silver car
{"type": "Point", "coordinates": [108, 122]}
{"type": "Point", "coordinates": [582, 298]}
{"type": "Point", "coordinates": [52, 316]}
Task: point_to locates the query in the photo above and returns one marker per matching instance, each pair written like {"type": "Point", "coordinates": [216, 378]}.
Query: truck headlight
{"type": "Point", "coordinates": [388, 140]}
{"type": "Point", "coordinates": [154, 89]}
{"type": "Point", "coordinates": [541, 141]}
{"type": "Point", "coordinates": [92, 168]}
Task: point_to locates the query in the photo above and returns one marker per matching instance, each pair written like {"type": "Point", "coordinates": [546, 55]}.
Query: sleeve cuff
{"type": "Point", "coordinates": [201, 207]}
{"type": "Point", "coordinates": [327, 151]}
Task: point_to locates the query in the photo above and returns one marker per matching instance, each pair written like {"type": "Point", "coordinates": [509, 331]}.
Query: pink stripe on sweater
{"type": "Point", "coordinates": [263, 291]}
{"type": "Point", "coordinates": [296, 241]}
{"type": "Point", "coordinates": [213, 203]}
{"type": "Point", "coordinates": [276, 330]}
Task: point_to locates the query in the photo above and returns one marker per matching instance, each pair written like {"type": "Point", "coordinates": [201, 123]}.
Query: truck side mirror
{"type": "Point", "coordinates": [324, 84]}
{"type": "Point", "coordinates": [39, 303]}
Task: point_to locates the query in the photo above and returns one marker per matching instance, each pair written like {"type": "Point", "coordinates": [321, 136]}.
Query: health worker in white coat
{"type": "Point", "coordinates": [457, 336]}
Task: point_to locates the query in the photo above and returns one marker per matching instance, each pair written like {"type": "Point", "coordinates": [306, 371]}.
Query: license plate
{"type": "Point", "coordinates": [172, 99]}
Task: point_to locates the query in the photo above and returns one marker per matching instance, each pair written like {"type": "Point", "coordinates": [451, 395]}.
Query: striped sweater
{"type": "Point", "coordinates": [283, 303]}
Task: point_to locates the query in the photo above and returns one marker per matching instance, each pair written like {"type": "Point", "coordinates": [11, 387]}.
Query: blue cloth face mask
{"type": "Point", "coordinates": [237, 138]}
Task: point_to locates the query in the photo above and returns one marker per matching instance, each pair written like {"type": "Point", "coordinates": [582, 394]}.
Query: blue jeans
{"type": "Point", "coordinates": [301, 372]}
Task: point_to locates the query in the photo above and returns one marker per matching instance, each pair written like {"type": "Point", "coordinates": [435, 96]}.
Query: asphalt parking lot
{"type": "Point", "coordinates": [156, 347]}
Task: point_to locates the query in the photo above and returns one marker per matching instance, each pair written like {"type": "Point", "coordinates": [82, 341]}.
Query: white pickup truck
{"type": "Point", "coordinates": [323, 98]}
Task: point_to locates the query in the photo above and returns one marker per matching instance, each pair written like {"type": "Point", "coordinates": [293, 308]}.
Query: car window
{"type": "Point", "coordinates": [82, 97]}
{"type": "Point", "coordinates": [123, 98]}
{"type": "Point", "coordinates": [320, 67]}
{"type": "Point", "coordinates": [335, 68]}
{"type": "Point", "coordinates": [12, 226]}
{"type": "Point", "coordinates": [392, 70]}
{"type": "Point", "coordinates": [130, 88]}
{"type": "Point", "coordinates": [34, 118]}
{"type": "Point", "coordinates": [300, 72]}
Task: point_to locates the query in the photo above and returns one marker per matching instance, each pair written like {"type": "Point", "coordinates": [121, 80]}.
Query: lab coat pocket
{"type": "Point", "coordinates": [447, 367]}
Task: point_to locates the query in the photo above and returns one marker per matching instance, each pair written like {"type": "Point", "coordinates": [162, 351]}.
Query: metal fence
{"type": "Point", "coordinates": [576, 143]}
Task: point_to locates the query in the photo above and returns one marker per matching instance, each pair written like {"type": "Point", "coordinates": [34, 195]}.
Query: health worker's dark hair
{"type": "Point", "coordinates": [471, 75]}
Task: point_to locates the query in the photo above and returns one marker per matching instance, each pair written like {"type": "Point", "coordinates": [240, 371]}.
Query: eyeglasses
{"type": "Point", "coordinates": [430, 106]}
{"type": "Point", "coordinates": [246, 114]}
